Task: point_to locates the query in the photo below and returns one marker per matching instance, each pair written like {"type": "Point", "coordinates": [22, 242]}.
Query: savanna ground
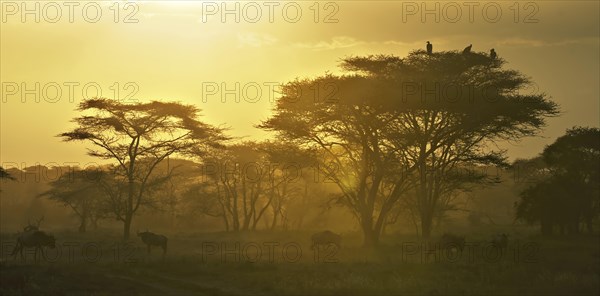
{"type": "Point", "coordinates": [194, 265]}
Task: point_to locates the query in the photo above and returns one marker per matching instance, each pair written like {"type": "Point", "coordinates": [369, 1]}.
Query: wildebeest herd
{"type": "Point", "coordinates": [33, 237]}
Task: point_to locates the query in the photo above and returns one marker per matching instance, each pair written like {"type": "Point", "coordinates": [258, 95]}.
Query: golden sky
{"type": "Point", "coordinates": [171, 50]}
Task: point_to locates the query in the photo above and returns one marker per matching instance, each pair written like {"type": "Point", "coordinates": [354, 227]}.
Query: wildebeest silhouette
{"type": "Point", "coordinates": [152, 239]}
{"type": "Point", "coordinates": [451, 241]}
{"type": "Point", "coordinates": [33, 226]}
{"type": "Point", "coordinates": [325, 238]}
{"type": "Point", "coordinates": [33, 239]}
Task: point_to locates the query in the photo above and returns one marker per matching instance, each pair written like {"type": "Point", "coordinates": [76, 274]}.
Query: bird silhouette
{"type": "Point", "coordinates": [468, 49]}
{"type": "Point", "coordinates": [493, 54]}
{"type": "Point", "coordinates": [429, 48]}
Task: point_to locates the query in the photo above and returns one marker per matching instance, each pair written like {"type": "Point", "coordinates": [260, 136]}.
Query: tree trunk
{"type": "Point", "coordinates": [129, 209]}
{"type": "Point", "coordinates": [304, 197]}
{"type": "Point", "coordinates": [82, 224]}
{"type": "Point", "coordinates": [94, 221]}
{"type": "Point", "coordinates": [425, 210]}
{"type": "Point", "coordinates": [235, 216]}
{"type": "Point", "coordinates": [127, 227]}
{"type": "Point", "coordinates": [274, 222]}
{"type": "Point", "coordinates": [247, 220]}
{"type": "Point", "coordinates": [225, 221]}
{"type": "Point", "coordinates": [371, 235]}
{"type": "Point", "coordinates": [426, 221]}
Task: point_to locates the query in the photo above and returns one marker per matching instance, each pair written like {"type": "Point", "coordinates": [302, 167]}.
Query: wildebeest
{"type": "Point", "coordinates": [451, 241]}
{"type": "Point", "coordinates": [35, 226]}
{"type": "Point", "coordinates": [34, 238]}
{"type": "Point", "coordinates": [500, 241]}
{"type": "Point", "coordinates": [152, 239]}
{"type": "Point", "coordinates": [325, 238]}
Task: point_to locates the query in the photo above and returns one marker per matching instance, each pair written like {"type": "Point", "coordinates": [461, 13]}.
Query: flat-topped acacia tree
{"type": "Point", "coordinates": [393, 126]}
{"type": "Point", "coordinates": [138, 137]}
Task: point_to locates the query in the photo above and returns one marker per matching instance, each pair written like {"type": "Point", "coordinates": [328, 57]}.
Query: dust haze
{"type": "Point", "coordinates": [299, 148]}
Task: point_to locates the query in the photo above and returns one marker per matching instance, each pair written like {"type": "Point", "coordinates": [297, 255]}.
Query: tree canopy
{"type": "Point", "coordinates": [4, 174]}
{"type": "Point", "coordinates": [138, 137]}
{"type": "Point", "coordinates": [388, 117]}
{"type": "Point", "coordinates": [566, 193]}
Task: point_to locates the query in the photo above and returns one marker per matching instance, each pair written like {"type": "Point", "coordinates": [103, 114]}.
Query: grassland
{"type": "Point", "coordinates": [229, 264]}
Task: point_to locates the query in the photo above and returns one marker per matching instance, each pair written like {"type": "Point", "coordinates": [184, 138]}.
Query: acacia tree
{"type": "Point", "coordinates": [81, 191]}
{"type": "Point", "coordinates": [168, 194]}
{"type": "Point", "coordinates": [240, 177]}
{"type": "Point", "coordinates": [287, 165]}
{"type": "Point", "coordinates": [242, 182]}
{"type": "Point", "coordinates": [576, 156]}
{"type": "Point", "coordinates": [138, 137]}
{"type": "Point", "coordinates": [232, 186]}
{"type": "Point", "coordinates": [391, 119]}
{"type": "Point", "coordinates": [328, 114]}
{"type": "Point", "coordinates": [453, 109]}
{"type": "Point", "coordinates": [567, 188]}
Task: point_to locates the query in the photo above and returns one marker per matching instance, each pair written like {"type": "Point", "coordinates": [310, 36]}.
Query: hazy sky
{"type": "Point", "coordinates": [179, 50]}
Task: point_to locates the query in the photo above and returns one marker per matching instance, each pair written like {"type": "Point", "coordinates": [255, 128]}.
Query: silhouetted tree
{"type": "Point", "coordinates": [394, 119]}
{"type": "Point", "coordinates": [5, 175]}
{"type": "Point", "coordinates": [80, 190]}
{"type": "Point", "coordinates": [203, 199]}
{"type": "Point", "coordinates": [138, 137]}
{"type": "Point", "coordinates": [167, 196]}
{"type": "Point", "coordinates": [239, 178]}
{"type": "Point", "coordinates": [286, 183]}
{"type": "Point", "coordinates": [242, 182]}
{"type": "Point", "coordinates": [566, 191]}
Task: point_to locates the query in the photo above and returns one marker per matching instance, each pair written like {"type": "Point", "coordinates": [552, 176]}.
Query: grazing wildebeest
{"type": "Point", "coordinates": [32, 227]}
{"type": "Point", "coordinates": [500, 241]}
{"type": "Point", "coordinates": [152, 239]}
{"type": "Point", "coordinates": [34, 238]}
{"type": "Point", "coordinates": [325, 238]}
{"type": "Point", "coordinates": [451, 241]}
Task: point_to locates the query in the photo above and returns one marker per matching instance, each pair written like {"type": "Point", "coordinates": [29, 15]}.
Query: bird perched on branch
{"type": "Point", "coordinates": [468, 49]}
{"type": "Point", "coordinates": [493, 54]}
{"type": "Point", "coordinates": [429, 48]}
